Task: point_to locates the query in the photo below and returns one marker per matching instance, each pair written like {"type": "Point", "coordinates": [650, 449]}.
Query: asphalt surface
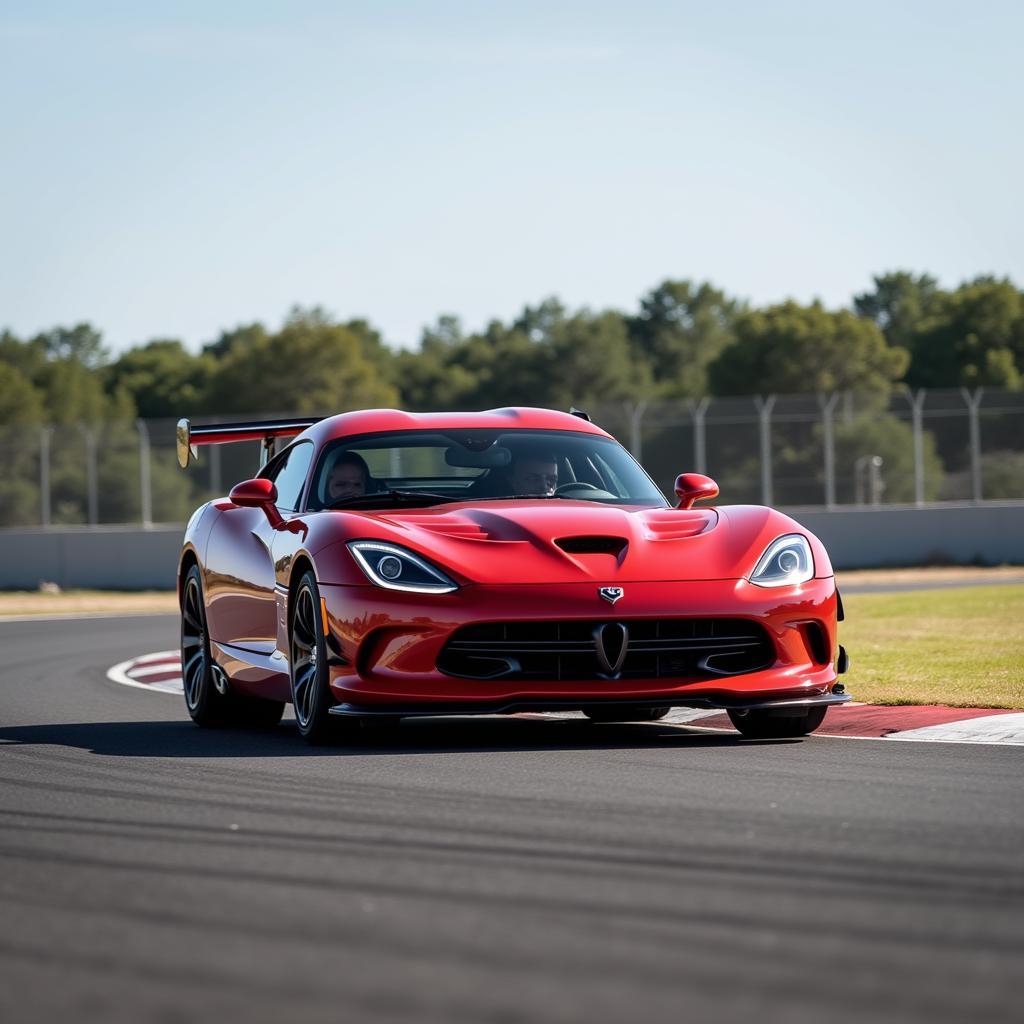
{"type": "Point", "coordinates": [484, 870]}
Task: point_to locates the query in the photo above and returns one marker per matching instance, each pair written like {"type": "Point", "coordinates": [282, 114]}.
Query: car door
{"type": "Point", "coordinates": [241, 601]}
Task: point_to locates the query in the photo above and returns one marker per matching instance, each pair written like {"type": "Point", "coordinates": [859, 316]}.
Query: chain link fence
{"type": "Point", "coordinates": [827, 450]}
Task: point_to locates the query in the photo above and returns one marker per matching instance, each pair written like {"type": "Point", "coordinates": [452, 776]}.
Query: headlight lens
{"type": "Point", "coordinates": [786, 562]}
{"type": "Point", "coordinates": [393, 567]}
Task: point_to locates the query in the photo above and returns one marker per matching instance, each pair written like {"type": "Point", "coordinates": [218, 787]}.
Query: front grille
{"type": "Point", "coordinates": [656, 649]}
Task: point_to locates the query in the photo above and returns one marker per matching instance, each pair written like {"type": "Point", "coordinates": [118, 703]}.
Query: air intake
{"type": "Point", "coordinates": [592, 545]}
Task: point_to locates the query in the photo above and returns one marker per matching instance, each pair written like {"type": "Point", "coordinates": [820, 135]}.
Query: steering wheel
{"type": "Point", "coordinates": [576, 485]}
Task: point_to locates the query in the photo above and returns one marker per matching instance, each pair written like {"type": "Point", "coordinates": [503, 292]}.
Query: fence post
{"type": "Point", "coordinates": [973, 403]}
{"type": "Point", "coordinates": [90, 470]}
{"type": "Point", "coordinates": [636, 414]}
{"type": "Point", "coordinates": [764, 415]}
{"type": "Point", "coordinates": [917, 414]}
{"type": "Point", "coordinates": [828, 407]}
{"type": "Point", "coordinates": [697, 411]}
{"type": "Point", "coordinates": [44, 474]}
{"type": "Point", "coordinates": [145, 487]}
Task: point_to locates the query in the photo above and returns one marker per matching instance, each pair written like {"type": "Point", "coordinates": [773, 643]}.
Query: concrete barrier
{"type": "Point", "coordinates": [131, 558]}
{"type": "Point", "coordinates": [101, 558]}
{"type": "Point", "coordinates": [865, 538]}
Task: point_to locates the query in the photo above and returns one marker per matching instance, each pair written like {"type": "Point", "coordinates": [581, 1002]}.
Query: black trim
{"type": "Point", "coordinates": [528, 704]}
{"type": "Point", "coordinates": [196, 430]}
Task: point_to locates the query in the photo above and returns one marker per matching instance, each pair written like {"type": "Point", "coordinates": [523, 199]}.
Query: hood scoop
{"type": "Point", "coordinates": [677, 525]}
{"type": "Point", "coordinates": [592, 545]}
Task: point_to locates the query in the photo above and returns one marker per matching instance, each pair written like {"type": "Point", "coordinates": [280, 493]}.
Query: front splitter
{"type": "Point", "coordinates": [507, 707]}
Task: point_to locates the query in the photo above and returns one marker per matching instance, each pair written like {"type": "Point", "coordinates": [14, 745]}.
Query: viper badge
{"type": "Point", "coordinates": [611, 594]}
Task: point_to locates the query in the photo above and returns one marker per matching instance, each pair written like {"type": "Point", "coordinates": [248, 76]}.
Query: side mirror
{"type": "Point", "coordinates": [258, 493]}
{"type": "Point", "coordinates": [691, 487]}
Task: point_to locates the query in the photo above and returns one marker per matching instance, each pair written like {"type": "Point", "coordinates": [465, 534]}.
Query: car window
{"type": "Point", "coordinates": [290, 474]}
{"type": "Point", "coordinates": [478, 465]}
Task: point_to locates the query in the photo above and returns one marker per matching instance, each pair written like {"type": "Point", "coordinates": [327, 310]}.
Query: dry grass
{"type": "Point", "coordinates": [963, 647]}
{"type": "Point", "coordinates": [930, 574]}
{"type": "Point", "coordinates": [69, 602]}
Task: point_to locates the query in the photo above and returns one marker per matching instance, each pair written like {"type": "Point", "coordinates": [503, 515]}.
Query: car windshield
{"type": "Point", "coordinates": [421, 467]}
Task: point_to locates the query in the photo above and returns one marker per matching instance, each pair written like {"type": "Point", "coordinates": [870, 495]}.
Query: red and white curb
{"type": "Point", "coordinates": [161, 672]}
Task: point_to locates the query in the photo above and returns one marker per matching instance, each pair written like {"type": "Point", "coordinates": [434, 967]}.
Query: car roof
{"type": "Point", "coordinates": [374, 421]}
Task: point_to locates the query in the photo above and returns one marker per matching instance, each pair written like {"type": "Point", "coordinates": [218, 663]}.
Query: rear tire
{"type": "Point", "coordinates": [206, 705]}
{"type": "Point", "coordinates": [760, 725]}
{"type": "Point", "coordinates": [626, 713]}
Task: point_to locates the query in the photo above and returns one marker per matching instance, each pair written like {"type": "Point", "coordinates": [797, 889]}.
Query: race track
{"type": "Point", "coordinates": [496, 869]}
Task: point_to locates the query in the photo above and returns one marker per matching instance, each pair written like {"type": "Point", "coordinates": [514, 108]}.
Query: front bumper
{"type": "Point", "coordinates": [385, 646]}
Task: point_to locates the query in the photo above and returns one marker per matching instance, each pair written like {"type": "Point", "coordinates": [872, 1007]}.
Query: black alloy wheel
{"type": "Point", "coordinates": [626, 713]}
{"type": "Point", "coordinates": [208, 706]}
{"type": "Point", "coordinates": [307, 650]}
{"type": "Point", "coordinates": [204, 703]}
{"type": "Point", "coordinates": [762, 725]}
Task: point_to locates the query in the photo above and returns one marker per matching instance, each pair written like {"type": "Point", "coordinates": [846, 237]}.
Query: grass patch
{"type": "Point", "coordinates": [961, 647]}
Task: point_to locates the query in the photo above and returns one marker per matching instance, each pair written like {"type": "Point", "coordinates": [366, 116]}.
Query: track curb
{"type": "Point", "coordinates": [160, 672]}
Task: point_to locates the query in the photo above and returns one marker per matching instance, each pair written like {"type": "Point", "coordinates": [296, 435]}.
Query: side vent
{"type": "Point", "coordinates": [817, 642]}
{"type": "Point", "coordinates": [592, 545]}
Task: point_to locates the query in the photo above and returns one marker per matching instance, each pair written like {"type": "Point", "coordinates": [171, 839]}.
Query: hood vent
{"type": "Point", "coordinates": [446, 526]}
{"type": "Point", "coordinates": [680, 525]}
{"type": "Point", "coordinates": [592, 545]}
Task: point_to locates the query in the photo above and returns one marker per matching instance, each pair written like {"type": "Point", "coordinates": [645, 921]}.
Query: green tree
{"type": "Point", "coordinates": [974, 336]}
{"type": "Point", "coordinates": [245, 336]}
{"type": "Point", "coordinates": [311, 365]}
{"type": "Point", "coordinates": [898, 304]}
{"type": "Point", "coordinates": [163, 378]}
{"type": "Point", "coordinates": [588, 360]}
{"type": "Point", "coordinates": [21, 412]}
{"type": "Point", "coordinates": [680, 329]}
{"type": "Point", "coordinates": [789, 348]}
{"type": "Point", "coordinates": [82, 344]}
{"type": "Point", "coordinates": [892, 439]}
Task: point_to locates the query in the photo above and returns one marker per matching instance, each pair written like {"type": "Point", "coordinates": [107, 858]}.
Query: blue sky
{"type": "Point", "coordinates": [170, 170]}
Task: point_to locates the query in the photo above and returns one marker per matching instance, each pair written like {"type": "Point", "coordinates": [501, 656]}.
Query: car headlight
{"type": "Point", "coordinates": [395, 568]}
{"type": "Point", "coordinates": [787, 561]}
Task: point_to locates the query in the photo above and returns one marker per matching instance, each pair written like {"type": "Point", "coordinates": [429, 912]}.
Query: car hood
{"type": "Point", "coordinates": [563, 541]}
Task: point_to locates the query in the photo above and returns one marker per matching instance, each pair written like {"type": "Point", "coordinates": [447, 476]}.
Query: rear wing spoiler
{"type": "Point", "coordinates": [189, 437]}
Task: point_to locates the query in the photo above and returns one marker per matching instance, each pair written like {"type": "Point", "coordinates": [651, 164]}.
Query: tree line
{"type": "Point", "coordinates": [684, 340]}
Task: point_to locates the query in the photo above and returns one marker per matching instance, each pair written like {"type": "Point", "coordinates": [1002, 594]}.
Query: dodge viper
{"type": "Point", "coordinates": [385, 564]}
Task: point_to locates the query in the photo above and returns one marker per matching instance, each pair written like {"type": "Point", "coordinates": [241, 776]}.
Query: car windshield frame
{"type": "Point", "coordinates": [601, 443]}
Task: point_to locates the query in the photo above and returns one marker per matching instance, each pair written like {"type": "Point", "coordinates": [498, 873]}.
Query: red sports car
{"type": "Point", "coordinates": [393, 564]}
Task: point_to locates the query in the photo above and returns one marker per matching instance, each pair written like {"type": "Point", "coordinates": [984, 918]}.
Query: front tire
{"type": "Point", "coordinates": [307, 650]}
{"type": "Point", "coordinates": [760, 725]}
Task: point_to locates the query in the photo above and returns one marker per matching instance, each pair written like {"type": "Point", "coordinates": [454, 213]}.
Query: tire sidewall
{"type": "Point", "coordinates": [318, 725]}
{"type": "Point", "coordinates": [204, 708]}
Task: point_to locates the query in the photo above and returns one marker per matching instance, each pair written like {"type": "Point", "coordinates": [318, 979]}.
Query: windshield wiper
{"type": "Point", "coordinates": [392, 497]}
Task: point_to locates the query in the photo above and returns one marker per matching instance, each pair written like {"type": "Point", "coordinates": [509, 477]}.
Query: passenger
{"type": "Point", "coordinates": [349, 478]}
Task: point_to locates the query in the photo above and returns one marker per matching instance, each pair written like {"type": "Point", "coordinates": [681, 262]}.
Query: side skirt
{"type": "Point", "coordinates": [252, 673]}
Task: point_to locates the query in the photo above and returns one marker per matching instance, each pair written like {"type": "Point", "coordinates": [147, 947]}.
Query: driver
{"type": "Point", "coordinates": [534, 472]}
{"type": "Point", "coordinates": [349, 478]}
